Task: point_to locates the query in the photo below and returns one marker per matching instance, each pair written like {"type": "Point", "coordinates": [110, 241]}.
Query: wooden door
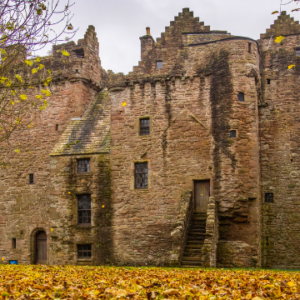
{"type": "Point", "coordinates": [201, 194]}
{"type": "Point", "coordinates": [41, 247]}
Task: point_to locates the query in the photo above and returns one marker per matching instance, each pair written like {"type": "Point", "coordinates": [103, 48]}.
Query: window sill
{"type": "Point", "coordinates": [142, 190]}
{"type": "Point", "coordinates": [84, 174]}
{"type": "Point", "coordinates": [84, 225]}
{"type": "Point", "coordinates": [85, 259]}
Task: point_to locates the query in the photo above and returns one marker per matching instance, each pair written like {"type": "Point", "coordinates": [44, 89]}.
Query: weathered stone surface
{"type": "Point", "coordinates": [192, 103]}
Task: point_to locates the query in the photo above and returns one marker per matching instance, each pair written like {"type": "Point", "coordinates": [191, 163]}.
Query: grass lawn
{"type": "Point", "coordinates": [74, 282]}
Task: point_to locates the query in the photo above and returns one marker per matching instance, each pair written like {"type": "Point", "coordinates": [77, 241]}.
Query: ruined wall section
{"type": "Point", "coordinates": [191, 117]}
{"type": "Point", "coordinates": [279, 137]}
{"type": "Point", "coordinates": [25, 208]}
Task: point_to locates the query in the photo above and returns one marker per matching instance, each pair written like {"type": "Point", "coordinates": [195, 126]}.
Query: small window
{"type": "Point", "coordinates": [141, 175]}
{"type": "Point", "coordinates": [269, 198]}
{"type": "Point", "coordinates": [83, 165]}
{"type": "Point", "coordinates": [14, 243]}
{"type": "Point", "coordinates": [159, 64]}
{"type": "Point", "coordinates": [79, 53]}
{"type": "Point", "coordinates": [84, 209]}
{"type": "Point", "coordinates": [241, 97]}
{"type": "Point", "coordinates": [30, 178]}
{"type": "Point", "coordinates": [84, 251]}
{"type": "Point", "coordinates": [297, 51]}
{"type": "Point", "coordinates": [145, 126]}
{"type": "Point", "coordinates": [233, 133]}
{"type": "Point", "coordinates": [249, 47]}
{"type": "Point", "coordinates": [268, 81]}
{"type": "Point", "coordinates": [56, 127]}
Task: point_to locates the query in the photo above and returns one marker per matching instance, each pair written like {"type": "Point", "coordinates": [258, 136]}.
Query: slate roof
{"type": "Point", "coordinates": [90, 133]}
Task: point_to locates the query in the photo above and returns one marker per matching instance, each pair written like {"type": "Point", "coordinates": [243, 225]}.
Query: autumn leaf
{"type": "Point", "coordinates": [279, 39]}
{"type": "Point", "coordinates": [19, 77]}
{"type": "Point", "coordinates": [291, 66]}
{"type": "Point", "coordinates": [23, 97]}
{"type": "Point", "coordinates": [124, 103]}
{"type": "Point", "coordinates": [17, 151]}
{"type": "Point", "coordinates": [275, 12]}
{"type": "Point", "coordinates": [65, 53]}
{"type": "Point", "coordinates": [29, 62]}
{"type": "Point", "coordinates": [34, 70]}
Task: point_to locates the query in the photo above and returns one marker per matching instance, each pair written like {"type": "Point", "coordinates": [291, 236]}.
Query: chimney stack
{"type": "Point", "coordinates": [148, 31]}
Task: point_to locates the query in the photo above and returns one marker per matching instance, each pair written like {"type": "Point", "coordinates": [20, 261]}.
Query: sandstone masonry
{"type": "Point", "coordinates": [222, 111]}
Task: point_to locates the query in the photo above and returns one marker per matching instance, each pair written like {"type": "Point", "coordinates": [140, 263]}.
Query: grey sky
{"type": "Point", "coordinates": [120, 23]}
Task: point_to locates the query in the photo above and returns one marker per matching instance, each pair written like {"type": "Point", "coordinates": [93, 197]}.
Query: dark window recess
{"type": "Point", "coordinates": [84, 251]}
{"type": "Point", "coordinates": [267, 241]}
{"type": "Point", "coordinates": [233, 133]}
{"type": "Point", "coordinates": [241, 97]}
{"type": "Point", "coordinates": [141, 175]}
{"type": "Point", "coordinates": [30, 178]}
{"type": "Point", "coordinates": [145, 126]}
{"type": "Point", "coordinates": [83, 165]}
{"type": "Point", "coordinates": [268, 81]}
{"type": "Point", "coordinates": [159, 64]}
{"type": "Point", "coordinates": [84, 209]}
{"type": "Point", "coordinates": [14, 243]}
{"type": "Point", "coordinates": [79, 53]}
{"type": "Point", "coordinates": [297, 51]}
{"type": "Point", "coordinates": [56, 127]}
{"type": "Point", "coordinates": [249, 47]}
{"type": "Point", "coordinates": [269, 198]}
{"type": "Point", "coordinates": [76, 70]}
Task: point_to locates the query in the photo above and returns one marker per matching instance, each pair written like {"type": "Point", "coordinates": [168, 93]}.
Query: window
{"type": "Point", "coordinates": [269, 198]}
{"type": "Point", "coordinates": [56, 127]}
{"type": "Point", "coordinates": [249, 47]}
{"type": "Point", "coordinates": [241, 97]}
{"type": "Point", "coordinates": [141, 175]}
{"type": "Point", "coordinates": [84, 251]}
{"type": "Point", "coordinates": [233, 133]}
{"type": "Point", "coordinates": [297, 51]}
{"type": "Point", "coordinates": [159, 64]}
{"type": "Point", "coordinates": [145, 126]}
{"type": "Point", "coordinates": [84, 209]}
{"type": "Point", "coordinates": [14, 243]}
{"type": "Point", "coordinates": [79, 53]}
{"type": "Point", "coordinates": [30, 178]}
{"type": "Point", "coordinates": [83, 165]}
{"type": "Point", "coordinates": [268, 81]}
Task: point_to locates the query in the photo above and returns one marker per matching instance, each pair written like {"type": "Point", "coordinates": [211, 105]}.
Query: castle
{"type": "Point", "coordinates": [191, 159]}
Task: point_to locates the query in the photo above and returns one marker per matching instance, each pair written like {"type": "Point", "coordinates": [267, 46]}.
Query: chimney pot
{"type": "Point", "coordinates": [148, 30]}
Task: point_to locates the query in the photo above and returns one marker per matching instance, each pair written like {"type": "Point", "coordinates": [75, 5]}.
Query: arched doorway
{"type": "Point", "coordinates": [41, 248]}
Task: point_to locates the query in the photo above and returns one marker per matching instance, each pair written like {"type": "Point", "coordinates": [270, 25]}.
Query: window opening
{"type": "Point", "coordinates": [145, 126]}
{"type": "Point", "coordinates": [233, 133]}
{"type": "Point", "coordinates": [84, 251]}
{"type": "Point", "coordinates": [56, 127]}
{"type": "Point", "coordinates": [14, 243]}
{"type": "Point", "coordinates": [268, 81]}
{"type": "Point", "coordinates": [79, 53]}
{"type": "Point", "coordinates": [141, 175]}
{"type": "Point", "coordinates": [249, 47]}
{"type": "Point", "coordinates": [30, 178]}
{"type": "Point", "coordinates": [267, 241]}
{"type": "Point", "coordinates": [84, 209]}
{"type": "Point", "coordinates": [83, 165]}
{"type": "Point", "coordinates": [241, 97]}
{"type": "Point", "coordinates": [159, 64]}
{"type": "Point", "coordinates": [269, 198]}
{"type": "Point", "coordinates": [297, 51]}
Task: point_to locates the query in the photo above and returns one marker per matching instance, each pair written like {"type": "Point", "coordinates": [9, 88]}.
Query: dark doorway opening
{"type": "Point", "coordinates": [41, 248]}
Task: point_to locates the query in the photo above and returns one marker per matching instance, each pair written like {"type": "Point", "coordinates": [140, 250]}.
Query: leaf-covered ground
{"type": "Point", "coordinates": [73, 282]}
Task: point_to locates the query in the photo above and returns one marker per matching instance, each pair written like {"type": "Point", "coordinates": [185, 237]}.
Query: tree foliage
{"type": "Point", "coordinates": [27, 26]}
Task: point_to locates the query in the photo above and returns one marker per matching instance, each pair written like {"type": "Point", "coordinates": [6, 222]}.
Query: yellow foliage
{"type": "Point", "coordinates": [65, 53]}
{"type": "Point", "coordinates": [124, 103]}
{"type": "Point", "coordinates": [291, 66]}
{"type": "Point", "coordinates": [279, 39]}
{"type": "Point", "coordinates": [39, 97]}
{"type": "Point", "coordinates": [29, 62]}
{"type": "Point", "coordinates": [19, 77]}
{"type": "Point", "coordinates": [46, 92]}
{"type": "Point", "coordinates": [34, 70]}
{"type": "Point", "coordinates": [17, 150]}
{"type": "Point", "coordinates": [41, 66]}
{"type": "Point", "coordinates": [23, 97]}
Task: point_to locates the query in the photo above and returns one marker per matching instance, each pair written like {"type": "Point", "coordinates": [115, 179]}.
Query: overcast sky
{"type": "Point", "coordinates": [120, 23]}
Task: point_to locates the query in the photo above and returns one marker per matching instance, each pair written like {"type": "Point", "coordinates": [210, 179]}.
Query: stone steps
{"type": "Point", "coordinates": [193, 251]}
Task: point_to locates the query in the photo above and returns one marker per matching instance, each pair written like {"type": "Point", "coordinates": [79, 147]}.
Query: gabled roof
{"type": "Point", "coordinates": [284, 25]}
{"type": "Point", "coordinates": [89, 134]}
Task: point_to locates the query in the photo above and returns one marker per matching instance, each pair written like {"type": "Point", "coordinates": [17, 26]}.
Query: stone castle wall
{"type": "Point", "coordinates": [193, 104]}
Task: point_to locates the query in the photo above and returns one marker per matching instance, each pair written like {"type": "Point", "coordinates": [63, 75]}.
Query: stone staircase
{"type": "Point", "coordinates": [192, 255]}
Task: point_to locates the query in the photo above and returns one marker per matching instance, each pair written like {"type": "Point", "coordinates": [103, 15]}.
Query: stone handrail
{"type": "Point", "coordinates": [182, 224]}
{"type": "Point", "coordinates": [212, 235]}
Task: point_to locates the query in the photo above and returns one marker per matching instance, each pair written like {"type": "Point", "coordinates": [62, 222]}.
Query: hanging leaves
{"type": "Point", "coordinates": [279, 39]}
